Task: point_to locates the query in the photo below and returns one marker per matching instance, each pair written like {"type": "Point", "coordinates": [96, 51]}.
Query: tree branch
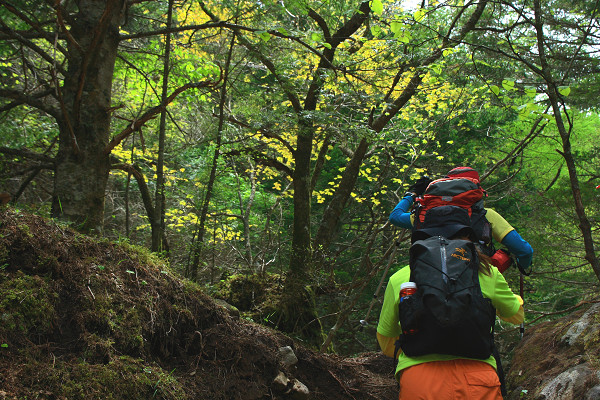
{"type": "Point", "coordinates": [142, 185]}
{"type": "Point", "coordinates": [448, 42]}
{"type": "Point", "coordinates": [40, 33]}
{"type": "Point", "coordinates": [321, 22]}
{"type": "Point", "coordinates": [262, 159]}
{"type": "Point", "coordinates": [264, 131]}
{"type": "Point", "coordinates": [26, 154]}
{"type": "Point", "coordinates": [32, 46]}
{"type": "Point", "coordinates": [152, 113]}
{"type": "Point", "coordinates": [31, 100]}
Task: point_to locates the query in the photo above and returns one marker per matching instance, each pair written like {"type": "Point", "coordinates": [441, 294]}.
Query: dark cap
{"type": "Point", "coordinates": [445, 221]}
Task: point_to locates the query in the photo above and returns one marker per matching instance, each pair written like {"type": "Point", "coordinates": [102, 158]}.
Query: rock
{"type": "Point", "coordinates": [580, 326]}
{"type": "Point", "coordinates": [287, 356]}
{"type": "Point", "coordinates": [280, 383]}
{"type": "Point", "coordinates": [593, 393]}
{"type": "Point", "coordinates": [565, 385]}
{"type": "Point", "coordinates": [294, 389]}
{"type": "Point", "coordinates": [299, 391]}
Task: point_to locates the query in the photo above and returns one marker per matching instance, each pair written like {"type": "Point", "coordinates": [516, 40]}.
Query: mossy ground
{"type": "Point", "coordinates": [83, 318]}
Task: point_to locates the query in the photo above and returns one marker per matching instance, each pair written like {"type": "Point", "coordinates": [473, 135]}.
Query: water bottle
{"type": "Point", "coordinates": [407, 289]}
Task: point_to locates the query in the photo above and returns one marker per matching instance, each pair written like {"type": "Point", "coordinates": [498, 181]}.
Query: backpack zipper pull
{"type": "Point", "coordinates": [443, 244]}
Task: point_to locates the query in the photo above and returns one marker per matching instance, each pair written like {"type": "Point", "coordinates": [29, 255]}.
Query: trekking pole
{"type": "Point", "coordinates": [522, 293]}
{"type": "Point", "coordinates": [365, 321]}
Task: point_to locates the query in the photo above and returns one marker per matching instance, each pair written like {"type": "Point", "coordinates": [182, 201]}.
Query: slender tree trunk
{"type": "Point", "coordinates": [82, 166]}
{"type": "Point", "coordinates": [158, 220]}
{"type": "Point", "coordinates": [297, 306]}
{"type": "Point", "coordinates": [300, 259]}
{"type": "Point", "coordinates": [565, 135]}
{"type": "Point", "coordinates": [298, 311]}
{"type": "Point", "coordinates": [245, 211]}
{"type": "Point", "coordinates": [213, 172]}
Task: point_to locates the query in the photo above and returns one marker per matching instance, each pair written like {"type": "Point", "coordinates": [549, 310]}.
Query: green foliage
{"type": "Point", "coordinates": [473, 107]}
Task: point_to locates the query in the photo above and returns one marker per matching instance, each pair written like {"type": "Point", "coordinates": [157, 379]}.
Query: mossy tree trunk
{"type": "Point", "coordinates": [82, 165]}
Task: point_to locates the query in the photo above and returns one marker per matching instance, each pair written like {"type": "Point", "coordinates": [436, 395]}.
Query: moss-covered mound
{"type": "Point", "coordinates": [88, 319]}
{"type": "Point", "coordinates": [559, 359]}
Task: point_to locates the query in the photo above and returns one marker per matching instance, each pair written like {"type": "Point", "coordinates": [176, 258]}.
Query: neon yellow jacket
{"type": "Point", "coordinates": [508, 307]}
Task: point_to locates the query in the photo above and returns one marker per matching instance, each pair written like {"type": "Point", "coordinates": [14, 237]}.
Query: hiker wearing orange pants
{"type": "Point", "coordinates": [439, 376]}
{"type": "Point", "coordinates": [445, 376]}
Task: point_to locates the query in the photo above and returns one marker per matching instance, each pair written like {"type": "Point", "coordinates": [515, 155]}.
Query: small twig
{"type": "Point", "coordinates": [92, 293]}
{"type": "Point", "coordinates": [341, 384]}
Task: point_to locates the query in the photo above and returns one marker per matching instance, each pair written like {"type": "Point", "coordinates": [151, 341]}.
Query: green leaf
{"type": "Point", "coordinates": [419, 15]}
{"type": "Point", "coordinates": [376, 30]}
{"type": "Point", "coordinates": [316, 37]}
{"type": "Point", "coordinates": [264, 35]}
{"type": "Point", "coordinates": [564, 90]}
{"type": "Point", "coordinates": [396, 27]}
{"type": "Point", "coordinates": [283, 31]}
{"type": "Point", "coordinates": [4, 345]}
{"type": "Point", "coordinates": [508, 84]}
{"type": "Point", "coordinates": [403, 36]}
{"type": "Point", "coordinates": [327, 45]}
{"type": "Point", "coordinates": [495, 89]}
{"type": "Point", "coordinates": [482, 63]}
{"type": "Point", "coordinates": [377, 7]}
{"type": "Point", "coordinates": [530, 91]}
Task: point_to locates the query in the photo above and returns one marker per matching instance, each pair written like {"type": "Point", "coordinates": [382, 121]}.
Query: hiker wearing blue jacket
{"type": "Point", "coordinates": [502, 231]}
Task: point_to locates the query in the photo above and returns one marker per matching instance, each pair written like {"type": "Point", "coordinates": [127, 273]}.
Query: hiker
{"type": "Point", "coordinates": [502, 231]}
{"type": "Point", "coordinates": [444, 375]}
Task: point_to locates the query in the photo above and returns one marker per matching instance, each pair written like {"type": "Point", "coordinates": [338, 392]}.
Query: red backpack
{"type": "Point", "coordinates": [461, 192]}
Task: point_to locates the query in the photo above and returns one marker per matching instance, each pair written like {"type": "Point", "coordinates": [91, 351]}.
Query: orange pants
{"type": "Point", "coordinates": [450, 380]}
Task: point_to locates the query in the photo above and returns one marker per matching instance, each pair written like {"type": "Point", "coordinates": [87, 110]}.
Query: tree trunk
{"type": "Point", "coordinates": [245, 211]}
{"type": "Point", "coordinates": [565, 135]}
{"type": "Point", "coordinates": [158, 222]}
{"type": "Point", "coordinates": [213, 172]}
{"type": "Point", "coordinates": [297, 306]}
{"type": "Point", "coordinates": [82, 166]}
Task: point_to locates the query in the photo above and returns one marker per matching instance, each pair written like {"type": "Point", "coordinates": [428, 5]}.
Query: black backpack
{"type": "Point", "coordinates": [448, 314]}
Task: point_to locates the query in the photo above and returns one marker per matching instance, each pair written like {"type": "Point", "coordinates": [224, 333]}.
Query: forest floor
{"type": "Point", "coordinates": [82, 318]}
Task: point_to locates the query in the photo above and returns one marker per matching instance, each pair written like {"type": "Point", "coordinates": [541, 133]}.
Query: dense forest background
{"type": "Point", "coordinates": [259, 147]}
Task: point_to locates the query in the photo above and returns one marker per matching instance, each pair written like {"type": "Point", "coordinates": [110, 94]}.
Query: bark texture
{"type": "Point", "coordinates": [82, 166]}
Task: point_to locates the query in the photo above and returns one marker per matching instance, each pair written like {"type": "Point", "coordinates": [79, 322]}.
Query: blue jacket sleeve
{"type": "Point", "coordinates": [400, 216]}
{"type": "Point", "coordinates": [519, 247]}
